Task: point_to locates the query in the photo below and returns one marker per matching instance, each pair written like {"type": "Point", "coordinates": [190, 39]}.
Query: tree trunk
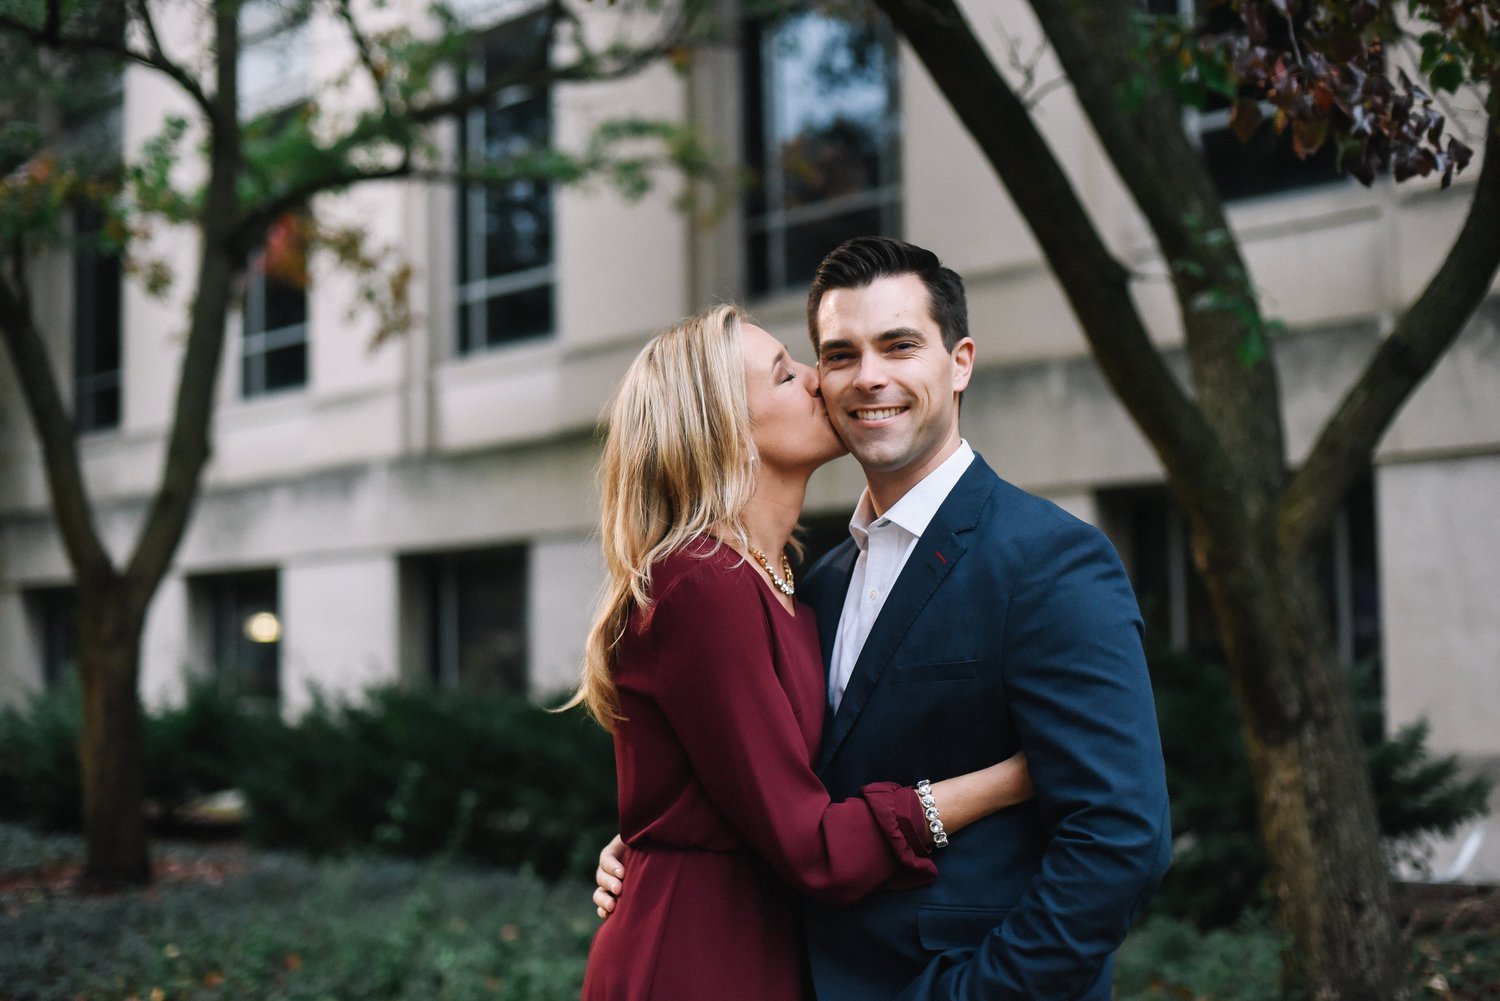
{"type": "Point", "coordinates": [112, 746]}
{"type": "Point", "coordinates": [1327, 876]}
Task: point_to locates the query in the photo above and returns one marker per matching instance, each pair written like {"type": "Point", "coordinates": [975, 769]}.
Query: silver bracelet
{"type": "Point", "coordinates": [929, 807]}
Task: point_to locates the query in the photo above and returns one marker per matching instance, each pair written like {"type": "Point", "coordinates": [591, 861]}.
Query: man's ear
{"type": "Point", "coordinates": [963, 364]}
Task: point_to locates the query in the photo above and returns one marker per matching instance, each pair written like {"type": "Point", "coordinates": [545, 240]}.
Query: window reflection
{"type": "Point", "coordinates": [96, 325]}
{"type": "Point", "coordinates": [273, 345]}
{"type": "Point", "coordinates": [245, 657]}
{"type": "Point", "coordinates": [822, 139]}
{"type": "Point", "coordinates": [505, 272]}
{"type": "Point", "coordinates": [477, 615]}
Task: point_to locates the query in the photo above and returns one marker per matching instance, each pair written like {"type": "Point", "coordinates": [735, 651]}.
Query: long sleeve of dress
{"type": "Point", "coordinates": [713, 674]}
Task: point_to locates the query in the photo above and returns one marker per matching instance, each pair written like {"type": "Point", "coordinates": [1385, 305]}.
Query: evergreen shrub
{"type": "Point", "coordinates": [1218, 862]}
{"type": "Point", "coordinates": [496, 778]}
{"type": "Point", "coordinates": [492, 777]}
{"type": "Point", "coordinates": [39, 779]}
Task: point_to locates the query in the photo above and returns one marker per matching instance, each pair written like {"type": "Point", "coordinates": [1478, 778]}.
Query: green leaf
{"type": "Point", "coordinates": [1447, 75]}
{"type": "Point", "coordinates": [1214, 72]}
{"type": "Point", "coordinates": [1252, 348]}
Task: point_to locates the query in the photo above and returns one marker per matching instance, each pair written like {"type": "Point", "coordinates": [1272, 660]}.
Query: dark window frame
{"type": "Point", "coordinates": [1151, 534]}
{"type": "Point", "coordinates": [481, 293]}
{"type": "Point", "coordinates": [769, 218]}
{"type": "Point", "coordinates": [246, 670]}
{"type": "Point", "coordinates": [53, 615]}
{"type": "Point", "coordinates": [260, 342]}
{"type": "Point", "coordinates": [98, 346]}
{"type": "Point", "coordinates": [1273, 170]}
{"type": "Point", "coordinates": [458, 631]}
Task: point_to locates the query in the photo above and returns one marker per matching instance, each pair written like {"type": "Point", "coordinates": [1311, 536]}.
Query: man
{"type": "Point", "coordinates": [963, 621]}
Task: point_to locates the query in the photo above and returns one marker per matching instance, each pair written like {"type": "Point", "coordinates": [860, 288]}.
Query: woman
{"type": "Point", "coordinates": [709, 675]}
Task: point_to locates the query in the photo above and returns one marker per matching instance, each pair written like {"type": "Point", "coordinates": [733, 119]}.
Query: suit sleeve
{"type": "Point", "coordinates": [715, 681]}
{"type": "Point", "coordinates": [1081, 701]}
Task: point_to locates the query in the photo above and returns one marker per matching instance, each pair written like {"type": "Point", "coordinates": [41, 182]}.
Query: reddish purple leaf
{"type": "Point", "coordinates": [1245, 118]}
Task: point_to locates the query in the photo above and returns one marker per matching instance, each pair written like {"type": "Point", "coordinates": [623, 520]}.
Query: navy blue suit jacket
{"type": "Point", "coordinates": [1011, 627]}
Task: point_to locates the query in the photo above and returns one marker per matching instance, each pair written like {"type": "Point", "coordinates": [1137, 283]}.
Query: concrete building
{"type": "Point", "coordinates": [422, 510]}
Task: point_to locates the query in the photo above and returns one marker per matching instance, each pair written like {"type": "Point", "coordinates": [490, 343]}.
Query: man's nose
{"type": "Point", "coordinates": [870, 374]}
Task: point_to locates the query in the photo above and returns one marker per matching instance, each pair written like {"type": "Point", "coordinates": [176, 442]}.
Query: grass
{"type": "Point", "coordinates": [225, 923]}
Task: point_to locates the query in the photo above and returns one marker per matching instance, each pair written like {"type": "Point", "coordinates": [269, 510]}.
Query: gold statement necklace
{"type": "Point", "coordinates": [785, 585]}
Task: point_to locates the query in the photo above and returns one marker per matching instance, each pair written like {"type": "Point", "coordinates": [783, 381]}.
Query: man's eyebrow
{"type": "Point", "coordinates": [831, 344]}
{"type": "Point", "coordinates": [900, 334]}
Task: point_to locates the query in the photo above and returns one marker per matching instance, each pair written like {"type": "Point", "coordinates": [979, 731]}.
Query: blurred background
{"type": "Point", "coordinates": [411, 512]}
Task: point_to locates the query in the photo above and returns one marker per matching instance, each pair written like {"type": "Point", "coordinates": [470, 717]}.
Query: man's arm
{"type": "Point", "coordinates": [1080, 698]}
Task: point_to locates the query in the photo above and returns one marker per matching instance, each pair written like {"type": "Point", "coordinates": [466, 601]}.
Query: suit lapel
{"type": "Point", "coordinates": [937, 552]}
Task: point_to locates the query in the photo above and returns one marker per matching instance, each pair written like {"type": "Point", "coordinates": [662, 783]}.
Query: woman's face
{"type": "Point", "coordinates": [792, 433]}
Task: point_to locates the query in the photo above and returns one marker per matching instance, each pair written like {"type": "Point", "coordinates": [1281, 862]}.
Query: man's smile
{"type": "Point", "coordinates": [880, 414]}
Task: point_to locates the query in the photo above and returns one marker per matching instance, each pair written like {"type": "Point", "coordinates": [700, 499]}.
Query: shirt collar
{"type": "Point", "coordinates": [919, 505]}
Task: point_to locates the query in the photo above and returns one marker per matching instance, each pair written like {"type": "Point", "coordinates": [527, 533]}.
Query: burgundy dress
{"type": "Point", "coordinates": [723, 818]}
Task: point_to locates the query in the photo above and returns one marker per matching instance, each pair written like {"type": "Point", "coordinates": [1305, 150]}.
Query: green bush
{"type": "Point", "coordinates": [1166, 959]}
{"type": "Point", "coordinates": [199, 747]}
{"type": "Point", "coordinates": [412, 772]}
{"type": "Point", "coordinates": [39, 778]}
{"type": "Point", "coordinates": [291, 928]}
{"type": "Point", "coordinates": [1219, 864]}
{"type": "Point", "coordinates": [191, 750]}
{"type": "Point", "coordinates": [416, 772]}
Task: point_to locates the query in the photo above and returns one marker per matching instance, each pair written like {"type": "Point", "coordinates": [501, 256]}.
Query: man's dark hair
{"type": "Point", "coordinates": [858, 262]}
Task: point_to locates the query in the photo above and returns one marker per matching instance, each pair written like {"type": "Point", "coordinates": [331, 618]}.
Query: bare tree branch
{"type": "Point", "coordinates": [1139, 124]}
{"type": "Point", "coordinates": [159, 54]}
{"type": "Point", "coordinates": [82, 44]}
{"type": "Point", "coordinates": [366, 53]}
{"type": "Point", "coordinates": [1425, 331]}
{"type": "Point", "coordinates": [188, 441]}
{"type": "Point", "coordinates": [1096, 284]}
{"type": "Point", "coordinates": [54, 429]}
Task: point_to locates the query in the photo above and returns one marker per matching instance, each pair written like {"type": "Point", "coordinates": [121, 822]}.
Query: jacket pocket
{"type": "Point", "coordinates": [940, 928]}
{"type": "Point", "coordinates": [948, 670]}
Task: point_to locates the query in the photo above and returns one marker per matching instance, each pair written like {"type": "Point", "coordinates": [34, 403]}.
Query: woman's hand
{"type": "Point", "coordinates": [609, 877]}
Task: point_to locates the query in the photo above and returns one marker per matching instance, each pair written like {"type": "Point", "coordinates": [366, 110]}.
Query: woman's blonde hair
{"type": "Point", "coordinates": [678, 463]}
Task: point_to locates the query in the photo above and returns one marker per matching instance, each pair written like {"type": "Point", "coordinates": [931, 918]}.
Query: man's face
{"type": "Point", "coordinates": [890, 386]}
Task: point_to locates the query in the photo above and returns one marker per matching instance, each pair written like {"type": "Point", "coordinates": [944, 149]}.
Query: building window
{"type": "Point", "coordinates": [244, 633]}
{"type": "Point", "coordinates": [53, 614]}
{"type": "Point", "coordinates": [505, 253]}
{"type": "Point", "coordinates": [96, 325]}
{"type": "Point", "coordinates": [273, 342]}
{"type": "Point", "coordinates": [476, 620]}
{"type": "Point", "coordinates": [1152, 536]}
{"type": "Point", "coordinates": [821, 135]}
{"type": "Point", "coordinates": [1266, 164]}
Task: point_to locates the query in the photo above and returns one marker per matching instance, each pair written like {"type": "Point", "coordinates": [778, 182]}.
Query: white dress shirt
{"type": "Point", "coordinates": [884, 544]}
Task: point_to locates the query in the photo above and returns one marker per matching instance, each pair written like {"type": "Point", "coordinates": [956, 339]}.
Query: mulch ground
{"type": "Point", "coordinates": [1429, 908]}
{"type": "Point", "coordinates": [62, 879]}
{"type": "Point", "coordinates": [1454, 935]}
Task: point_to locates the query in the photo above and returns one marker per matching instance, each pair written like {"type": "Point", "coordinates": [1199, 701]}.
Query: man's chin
{"type": "Point", "coordinates": [877, 460]}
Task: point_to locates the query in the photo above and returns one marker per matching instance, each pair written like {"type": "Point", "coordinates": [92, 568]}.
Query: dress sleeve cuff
{"type": "Point", "coordinates": [899, 814]}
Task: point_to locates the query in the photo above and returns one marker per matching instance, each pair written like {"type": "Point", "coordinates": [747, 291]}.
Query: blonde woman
{"type": "Point", "coordinates": [708, 673]}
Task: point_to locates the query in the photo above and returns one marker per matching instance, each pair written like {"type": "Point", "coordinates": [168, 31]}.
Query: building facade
{"type": "Point", "coordinates": [421, 509]}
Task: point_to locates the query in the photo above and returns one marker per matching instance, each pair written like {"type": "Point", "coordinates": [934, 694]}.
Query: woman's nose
{"type": "Point", "coordinates": [809, 377]}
